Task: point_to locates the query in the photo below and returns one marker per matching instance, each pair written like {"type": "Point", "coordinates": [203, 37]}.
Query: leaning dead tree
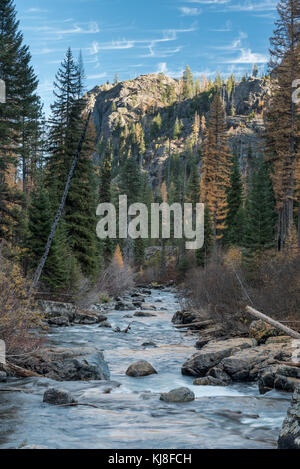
{"type": "Point", "coordinates": [272, 322]}
{"type": "Point", "coordinates": [41, 265]}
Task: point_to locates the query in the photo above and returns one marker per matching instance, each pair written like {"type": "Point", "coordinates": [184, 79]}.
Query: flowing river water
{"type": "Point", "coordinates": [131, 415]}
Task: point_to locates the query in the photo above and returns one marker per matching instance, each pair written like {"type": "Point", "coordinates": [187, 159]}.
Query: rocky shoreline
{"type": "Point", "coordinates": [264, 357]}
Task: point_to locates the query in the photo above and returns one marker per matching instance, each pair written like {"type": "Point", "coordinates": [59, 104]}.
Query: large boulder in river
{"type": "Point", "coordinates": [68, 364]}
{"type": "Point", "coordinates": [261, 331]}
{"type": "Point", "coordinates": [212, 354]}
{"type": "Point", "coordinates": [140, 368]}
{"type": "Point", "coordinates": [54, 309]}
{"type": "Point", "coordinates": [58, 397]}
{"type": "Point", "coordinates": [178, 395]}
{"type": "Point", "coordinates": [289, 437]}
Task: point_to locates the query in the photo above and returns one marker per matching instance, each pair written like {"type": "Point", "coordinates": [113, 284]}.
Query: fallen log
{"type": "Point", "coordinates": [297, 365]}
{"type": "Point", "coordinates": [18, 371]}
{"type": "Point", "coordinates": [194, 324]}
{"type": "Point", "coordinates": [272, 322]}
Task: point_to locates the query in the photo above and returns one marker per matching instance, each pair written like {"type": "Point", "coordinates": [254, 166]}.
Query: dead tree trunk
{"type": "Point", "coordinates": [41, 265]}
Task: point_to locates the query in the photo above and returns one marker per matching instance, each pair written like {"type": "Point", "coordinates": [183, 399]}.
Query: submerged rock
{"type": "Point", "coordinates": [149, 344]}
{"type": "Point", "coordinates": [144, 314]}
{"type": "Point", "coordinates": [3, 376]}
{"type": "Point", "coordinates": [289, 437]}
{"type": "Point", "coordinates": [58, 397]}
{"type": "Point", "coordinates": [140, 368]}
{"type": "Point", "coordinates": [178, 395]}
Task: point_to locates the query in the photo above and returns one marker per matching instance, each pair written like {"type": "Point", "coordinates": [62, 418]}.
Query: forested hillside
{"type": "Point", "coordinates": [229, 142]}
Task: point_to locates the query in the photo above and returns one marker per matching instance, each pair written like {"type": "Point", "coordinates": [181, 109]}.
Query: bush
{"type": "Point", "coordinates": [113, 281]}
{"type": "Point", "coordinates": [18, 315]}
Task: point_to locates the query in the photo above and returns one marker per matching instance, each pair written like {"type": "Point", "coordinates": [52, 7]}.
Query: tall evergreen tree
{"type": "Point", "coordinates": [234, 201]}
{"type": "Point", "coordinates": [105, 196]}
{"type": "Point", "coordinates": [260, 213]}
{"type": "Point", "coordinates": [16, 117]}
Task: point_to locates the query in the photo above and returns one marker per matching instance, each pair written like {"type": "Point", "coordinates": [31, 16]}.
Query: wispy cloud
{"type": "Point", "coordinates": [187, 11]}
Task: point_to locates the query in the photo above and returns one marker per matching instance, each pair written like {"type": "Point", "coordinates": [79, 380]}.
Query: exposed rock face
{"type": "Point", "coordinates": [58, 397]}
{"type": "Point", "coordinates": [212, 354]}
{"type": "Point", "coordinates": [178, 395]}
{"type": "Point", "coordinates": [140, 368]}
{"type": "Point", "coordinates": [289, 437]}
{"type": "Point", "coordinates": [261, 331]}
{"type": "Point", "coordinates": [140, 100]}
{"type": "Point", "coordinates": [70, 364]}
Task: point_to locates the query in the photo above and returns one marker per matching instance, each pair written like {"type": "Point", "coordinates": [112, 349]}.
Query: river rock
{"type": "Point", "coordinates": [68, 364]}
{"type": "Point", "coordinates": [149, 307]}
{"type": "Point", "coordinates": [281, 377]}
{"type": "Point", "coordinates": [289, 437]}
{"type": "Point", "coordinates": [209, 381]}
{"type": "Point", "coordinates": [3, 376]}
{"type": "Point", "coordinates": [140, 368]}
{"type": "Point", "coordinates": [261, 331]}
{"type": "Point", "coordinates": [212, 354]}
{"type": "Point", "coordinates": [88, 317]}
{"type": "Point", "coordinates": [105, 324]}
{"type": "Point", "coordinates": [149, 344]}
{"type": "Point", "coordinates": [184, 317]}
{"type": "Point", "coordinates": [124, 306]}
{"type": "Point", "coordinates": [54, 309]}
{"type": "Point", "coordinates": [178, 395]}
{"type": "Point", "coordinates": [58, 397]}
{"type": "Point", "coordinates": [59, 321]}
{"type": "Point", "coordinates": [144, 314]}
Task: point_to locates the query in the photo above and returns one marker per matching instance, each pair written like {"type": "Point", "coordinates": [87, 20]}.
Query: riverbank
{"type": "Point", "coordinates": [128, 411]}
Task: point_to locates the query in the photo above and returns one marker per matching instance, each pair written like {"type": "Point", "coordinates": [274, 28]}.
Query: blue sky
{"type": "Point", "coordinates": [133, 37]}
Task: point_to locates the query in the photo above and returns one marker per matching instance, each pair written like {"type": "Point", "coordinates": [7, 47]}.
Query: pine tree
{"type": "Point", "coordinates": [282, 117]}
{"type": "Point", "coordinates": [216, 168]}
{"type": "Point", "coordinates": [188, 83]}
{"type": "Point", "coordinates": [202, 254]}
{"type": "Point", "coordinates": [177, 129]}
{"type": "Point", "coordinates": [234, 201]}
{"type": "Point", "coordinates": [105, 195]}
{"type": "Point", "coordinates": [118, 258]}
{"type": "Point", "coordinates": [56, 273]}
{"type": "Point", "coordinates": [80, 208]}
{"type": "Point", "coordinates": [17, 118]}
{"type": "Point", "coordinates": [259, 216]}
{"type": "Point", "coordinates": [66, 127]}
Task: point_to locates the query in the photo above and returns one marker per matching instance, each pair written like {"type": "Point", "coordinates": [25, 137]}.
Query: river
{"type": "Point", "coordinates": [131, 415]}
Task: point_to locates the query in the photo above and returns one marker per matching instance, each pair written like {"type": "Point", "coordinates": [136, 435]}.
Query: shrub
{"type": "Point", "coordinates": [18, 315]}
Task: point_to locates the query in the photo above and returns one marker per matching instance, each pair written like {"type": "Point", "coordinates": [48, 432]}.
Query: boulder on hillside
{"type": "Point", "coordinates": [140, 368]}
{"type": "Point", "coordinates": [289, 437]}
{"type": "Point", "coordinates": [178, 395]}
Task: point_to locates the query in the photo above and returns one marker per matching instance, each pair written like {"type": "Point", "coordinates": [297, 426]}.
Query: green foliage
{"type": "Point", "coordinates": [203, 253]}
{"type": "Point", "coordinates": [234, 201]}
{"type": "Point", "coordinates": [156, 126]}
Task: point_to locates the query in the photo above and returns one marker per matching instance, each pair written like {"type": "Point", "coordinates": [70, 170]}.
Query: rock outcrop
{"type": "Point", "coordinates": [289, 437]}
{"type": "Point", "coordinates": [68, 364]}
